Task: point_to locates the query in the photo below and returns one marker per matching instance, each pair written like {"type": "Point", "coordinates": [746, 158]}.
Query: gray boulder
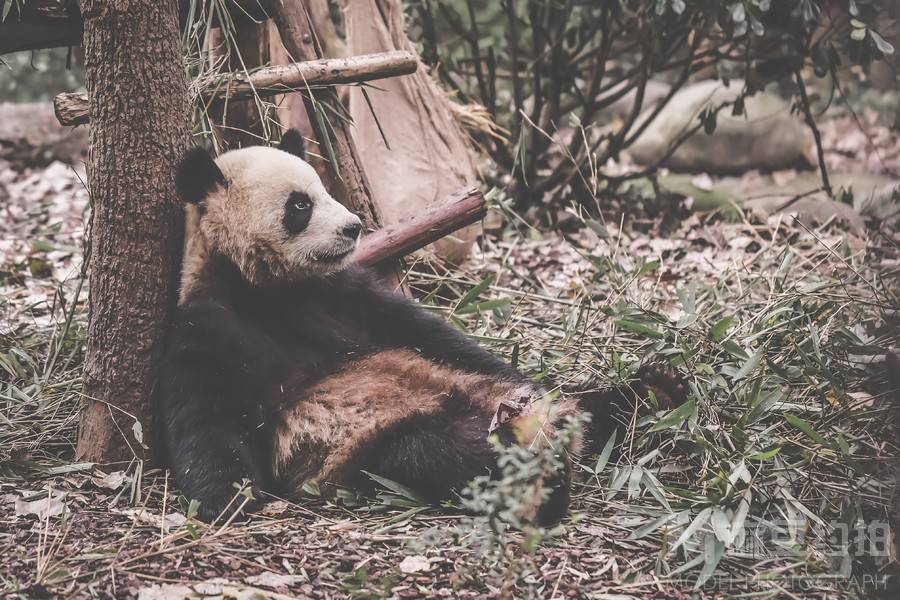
{"type": "Point", "coordinates": [767, 136]}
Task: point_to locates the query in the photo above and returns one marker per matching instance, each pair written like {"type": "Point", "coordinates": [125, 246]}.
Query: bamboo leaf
{"type": "Point", "coordinates": [325, 128]}
{"type": "Point", "coordinates": [720, 328]}
{"type": "Point", "coordinates": [751, 364]}
{"type": "Point", "coordinates": [713, 551]}
{"type": "Point", "coordinates": [634, 482]}
{"type": "Point", "coordinates": [691, 529]}
{"type": "Point", "coordinates": [598, 228]}
{"type": "Point", "coordinates": [639, 328]}
{"type": "Point", "coordinates": [884, 46]}
{"type": "Point", "coordinates": [721, 524]}
{"type": "Point", "coordinates": [676, 417]}
{"type": "Point", "coordinates": [395, 487]}
{"type": "Point", "coordinates": [374, 116]}
{"type": "Point", "coordinates": [806, 428]}
{"type": "Point", "coordinates": [737, 522]}
{"type": "Point", "coordinates": [655, 487]}
{"type": "Point", "coordinates": [761, 456]}
{"type": "Point", "coordinates": [606, 453]}
{"type": "Point", "coordinates": [484, 306]}
{"type": "Point", "coordinates": [473, 293]}
{"type": "Point", "coordinates": [652, 526]}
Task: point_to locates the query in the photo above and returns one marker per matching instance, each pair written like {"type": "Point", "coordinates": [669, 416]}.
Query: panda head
{"type": "Point", "coordinates": [267, 211]}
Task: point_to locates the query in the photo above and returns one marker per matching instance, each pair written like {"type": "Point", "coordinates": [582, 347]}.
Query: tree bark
{"type": "Point", "coordinates": [132, 50]}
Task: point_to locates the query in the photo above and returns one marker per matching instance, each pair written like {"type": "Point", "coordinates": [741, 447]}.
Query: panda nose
{"type": "Point", "coordinates": [352, 231]}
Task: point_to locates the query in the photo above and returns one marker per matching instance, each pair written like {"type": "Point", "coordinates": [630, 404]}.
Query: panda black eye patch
{"type": "Point", "coordinates": [297, 212]}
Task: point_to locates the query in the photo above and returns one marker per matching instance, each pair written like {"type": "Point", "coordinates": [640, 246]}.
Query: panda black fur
{"type": "Point", "coordinates": [285, 364]}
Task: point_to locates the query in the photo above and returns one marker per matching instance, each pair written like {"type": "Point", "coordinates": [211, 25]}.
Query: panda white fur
{"type": "Point", "coordinates": [285, 364]}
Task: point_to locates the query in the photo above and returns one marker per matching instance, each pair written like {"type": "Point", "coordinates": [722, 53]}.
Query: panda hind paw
{"type": "Point", "coordinates": [666, 384]}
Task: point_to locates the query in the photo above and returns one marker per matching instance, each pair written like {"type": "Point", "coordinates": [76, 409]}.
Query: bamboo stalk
{"type": "Point", "coordinates": [72, 108]}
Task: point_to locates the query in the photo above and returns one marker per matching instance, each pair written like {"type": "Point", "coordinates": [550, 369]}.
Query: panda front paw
{"type": "Point", "coordinates": [222, 507]}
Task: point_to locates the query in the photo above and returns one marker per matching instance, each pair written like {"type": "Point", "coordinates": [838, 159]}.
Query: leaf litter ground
{"type": "Point", "coordinates": [770, 481]}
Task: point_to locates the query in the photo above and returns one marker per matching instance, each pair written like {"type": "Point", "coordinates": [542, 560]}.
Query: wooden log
{"type": "Point", "coordinates": [296, 76]}
{"type": "Point", "coordinates": [72, 108]}
{"type": "Point", "coordinates": [462, 208]}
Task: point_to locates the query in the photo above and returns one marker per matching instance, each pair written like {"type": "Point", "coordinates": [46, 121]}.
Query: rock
{"type": "Point", "coordinates": [704, 195]}
{"type": "Point", "coordinates": [874, 196]}
{"type": "Point", "coordinates": [30, 135]}
{"type": "Point", "coordinates": [654, 93]}
{"type": "Point", "coordinates": [880, 202]}
{"type": "Point", "coordinates": [767, 136]}
{"type": "Point", "coordinates": [810, 210]}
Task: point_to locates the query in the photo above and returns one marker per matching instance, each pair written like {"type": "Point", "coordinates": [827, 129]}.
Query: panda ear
{"type": "Point", "coordinates": [197, 175]}
{"type": "Point", "coordinates": [292, 143]}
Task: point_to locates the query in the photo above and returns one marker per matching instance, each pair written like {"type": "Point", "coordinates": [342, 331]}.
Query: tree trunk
{"type": "Point", "coordinates": [427, 156]}
{"type": "Point", "coordinates": [345, 178]}
{"type": "Point", "coordinates": [347, 181]}
{"type": "Point", "coordinates": [132, 50]}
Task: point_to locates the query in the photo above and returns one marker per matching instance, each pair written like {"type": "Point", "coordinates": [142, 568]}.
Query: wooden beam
{"type": "Point", "coordinates": [37, 24]}
{"type": "Point", "coordinates": [71, 108]}
{"type": "Point", "coordinates": [462, 208]}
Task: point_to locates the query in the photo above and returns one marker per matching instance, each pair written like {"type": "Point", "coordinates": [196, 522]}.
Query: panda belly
{"type": "Point", "coordinates": [395, 411]}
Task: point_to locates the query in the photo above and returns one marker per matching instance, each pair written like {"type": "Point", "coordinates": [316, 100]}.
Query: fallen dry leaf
{"type": "Point", "coordinates": [415, 564]}
{"type": "Point", "coordinates": [273, 580]}
{"type": "Point", "coordinates": [216, 588]}
{"type": "Point", "coordinates": [44, 508]}
{"type": "Point", "coordinates": [142, 515]}
{"type": "Point", "coordinates": [112, 481]}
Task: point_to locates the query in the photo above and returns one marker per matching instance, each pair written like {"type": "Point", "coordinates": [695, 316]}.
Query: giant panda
{"type": "Point", "coordinates": [286, 364]}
